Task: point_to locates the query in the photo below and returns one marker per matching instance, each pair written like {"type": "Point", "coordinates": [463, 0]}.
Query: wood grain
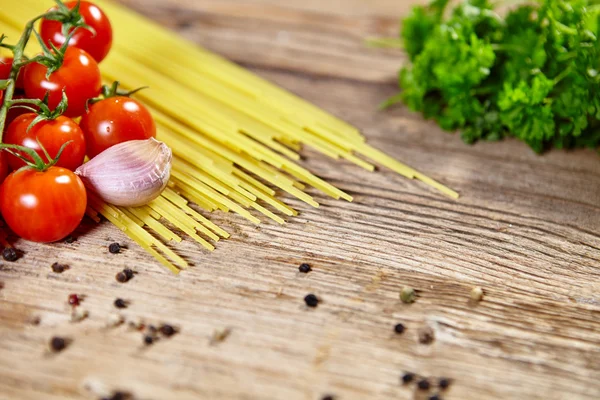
{"type": "Point", "coordinates": [526, 230]}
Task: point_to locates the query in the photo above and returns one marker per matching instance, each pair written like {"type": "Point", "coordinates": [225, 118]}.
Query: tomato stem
{"type": "Point", "coordinates": [38, 162]}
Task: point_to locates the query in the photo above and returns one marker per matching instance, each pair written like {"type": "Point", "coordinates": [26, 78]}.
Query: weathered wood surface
{"type": "Point", "coordinates": [527, 229]}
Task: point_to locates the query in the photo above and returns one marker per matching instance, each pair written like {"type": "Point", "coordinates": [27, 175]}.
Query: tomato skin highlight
{"type": "Point", "coordinates": [115, 120]}
{"type": "Point", "coordinates": [79, 76]}
{"type": "Point", "coordinates": [52, 134]}
{"type": "Point", "coordinates": [44, 206]}
{"type": "Point", "coordinates": [97, 45]}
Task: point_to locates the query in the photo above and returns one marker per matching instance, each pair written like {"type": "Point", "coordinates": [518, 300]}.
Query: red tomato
{"type": "Point", "coordinates": [3, 166]}
{"type": "Point", "coordinates": [5, 68]}
{"type": "Point", "coordinates": [52, 134]}
{"type": "Point", "coordinates": [97, 45]}
{"type": "Point", "coordinates": [113, 121]}
{"type": "Point", "coordinates": [43, 206]}
{"type": "Point", "coordinates": [79, 76]}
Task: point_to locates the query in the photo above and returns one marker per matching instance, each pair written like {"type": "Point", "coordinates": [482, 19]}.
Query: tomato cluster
{"type": "Point", "coordinates": [46, 204]}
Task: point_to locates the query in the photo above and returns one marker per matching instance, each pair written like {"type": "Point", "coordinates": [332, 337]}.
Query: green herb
{"type": "Point", "coordinates": [531, 73]}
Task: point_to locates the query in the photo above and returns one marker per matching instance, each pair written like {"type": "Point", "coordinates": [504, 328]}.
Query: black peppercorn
{"type": "Point", "coordinates": [70, 239]}
{"type": "Point", "coordinates": [148, 340]}
{"type": "Point", "coordinates": [59, 268]}
{"type": "Point", "coordinates": [435, 397]}
{"type": "Point", "coordinates": [311, 300]}
{"type": "Point", "coordinates": [399, 328]}
{"type": "Point", "coordinates": [121, 277]}
{"type": "Point", "coordinates": [444, 383]}
{"type": "Point", "coordinates": [128, 273]}
{"type": "Point", "coordinates": [120, 303]}
{"type": "Point", "coordinates": [118, 396]}
{"type": "Point", "coordinates": [10, 254]}
{"type": "Point", "coordinates": [167, 330]}
{"type": "Point", "coordinates": [304, 268]}
{"type": "Point", "coordinates": [408, 377]}
{"type": "Point", "coordinates": [423, 384]}
{"type": "Point", "coordinates": [58, 344]}
{"type": "Point", "coordinates": [328, 397]}
{"type": "Point", "coordinates": [114, 248]}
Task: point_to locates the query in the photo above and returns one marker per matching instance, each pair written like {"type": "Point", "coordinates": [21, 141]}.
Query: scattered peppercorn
{"type": "Point", "coordinates": [435, 397]}
{"type": "Point", "coordinates": [114, 248]}
{"type": "Point", "coordinates": [426, 335]}
{"type": "Point", "coordinates": [118, 396]}
{"type": "Point", "coordinates": [120, 303]}
{"type": "Point", "coordinates": [477, 294]}
{"type": "Point", "coordinates": [304, 268]}
{"type": "Point", "coordinates": [444, 383]}
{"type": "Point", "coordinates": [408, 377]}
{"type": "Point", "coordinates": [9, 254]}
{"type": "Point", "coordinates": [311, 300]}
{"type": "Point", "coordinates": [59, 268]}
{"type": "Point", "coordinates": [114, 320]}
{"type": "Point", "coordinates": [148, 340]}
{"type": "Point", "coordinates": [121, 277]}
{"type": "Point", "coordinates": [328, 397]}
{"type": "Point", "coordinates": [167, 330]}
{"type": "Point", "coordinates": [399, 328]}
{"type": "Point", "coordinates": [125, 275]}
{"type": "Point", "coordinates": [408, 295]}
{"type": "Point", "coordinates": [58, 344]}
{"type": "Point", "coordinates": [152, 329]}
{"type": "Point", "coordinates": [79, 315]}
{"type": "Point", "coordinates": [128, 273]}
{"type": "Point", "coordinates": [219, 335]}
{"type": "Point", "coordinates": [423, 384]}
{"type": "Point", "coordinates": [137, 324]}
{"type": "Point", "coordinates": [74, 300]}
{"type": "Point", "coordinates": [70, 239]}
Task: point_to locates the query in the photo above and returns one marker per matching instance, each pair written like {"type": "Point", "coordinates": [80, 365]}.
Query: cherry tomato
{"type": "Point", "coordinates": [5, 68]}
{"type": "Point", "coordinates": [97, 45]}
{"type": "Point", "coordinates": [52, 134]}
{"type": "Point", "coordinates": [43, 206]}
{"type": "Point", "coordinates": [113, 121]}
{"type": "Point", "coordinates": [79, 76]}
{"type": "Point", "coordinates": [3, 166]}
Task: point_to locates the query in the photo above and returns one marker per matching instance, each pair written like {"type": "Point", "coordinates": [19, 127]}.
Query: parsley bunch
{"type": "Point", "coordinates": [531, 73]}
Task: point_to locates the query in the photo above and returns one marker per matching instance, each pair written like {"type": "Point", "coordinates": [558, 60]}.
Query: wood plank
{"type": "Point", "coordinates": [527, 230]}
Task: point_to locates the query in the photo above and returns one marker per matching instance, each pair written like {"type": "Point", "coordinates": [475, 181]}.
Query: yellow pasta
{"type": "Point", "coordinates": [235, 137]}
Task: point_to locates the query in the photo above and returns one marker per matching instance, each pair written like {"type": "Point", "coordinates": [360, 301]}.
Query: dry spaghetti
{"type": "Point", "coordinates": [230, 131]}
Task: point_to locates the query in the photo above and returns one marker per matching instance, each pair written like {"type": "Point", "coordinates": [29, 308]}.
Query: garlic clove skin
{"type": "Point", "coordinates": [129, 174]}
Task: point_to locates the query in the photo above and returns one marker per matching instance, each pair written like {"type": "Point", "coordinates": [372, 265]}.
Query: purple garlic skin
{"type": "Point", "coordinates": [129, 174]}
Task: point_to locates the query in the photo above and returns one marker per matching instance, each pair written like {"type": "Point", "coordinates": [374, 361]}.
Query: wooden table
{"type": "Point", "coordinates": [526, 229]}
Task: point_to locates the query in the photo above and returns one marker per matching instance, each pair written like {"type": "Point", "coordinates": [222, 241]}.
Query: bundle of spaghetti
{"type": "Point", "coordinates": [231, 132]}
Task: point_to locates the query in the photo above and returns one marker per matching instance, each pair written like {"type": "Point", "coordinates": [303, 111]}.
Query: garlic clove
{"type": "Point", "coordinates": [129, 174]}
